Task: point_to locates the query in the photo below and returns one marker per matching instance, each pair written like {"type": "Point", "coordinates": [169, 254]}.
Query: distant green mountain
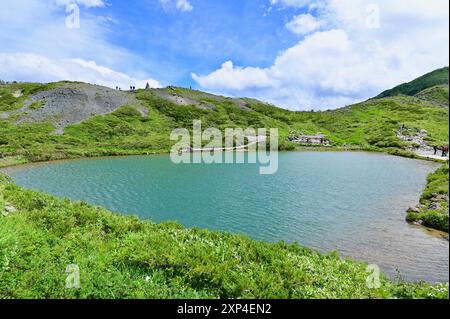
{"type": "Point", "coordinates": [90, 120]}
{"type": "Point", "coordinates": [437, 77]}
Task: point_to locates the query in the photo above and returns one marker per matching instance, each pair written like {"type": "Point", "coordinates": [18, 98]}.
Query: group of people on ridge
{"type": "Point", "coordinates": [132, 88]}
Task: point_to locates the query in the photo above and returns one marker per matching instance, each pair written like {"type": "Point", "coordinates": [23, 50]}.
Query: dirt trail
{"type": "Point", "coordinates": [419, 145]}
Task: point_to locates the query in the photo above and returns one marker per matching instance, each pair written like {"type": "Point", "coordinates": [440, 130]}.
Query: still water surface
{"type": "Point", "coordinates": [354, 203]}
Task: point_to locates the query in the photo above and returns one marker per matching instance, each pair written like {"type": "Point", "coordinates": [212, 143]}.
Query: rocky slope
{"type": "Point", "coordinates": [72, 103]}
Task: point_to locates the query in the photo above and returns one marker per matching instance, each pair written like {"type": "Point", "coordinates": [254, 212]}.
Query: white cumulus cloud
{"type": "Point", "coordinates": [38, 47]}
{"type": "Point", "coordinates": [31, 67]}
{"type": "Point", "coordinates": [235, 78]}
{"type": "Point", "coordinates": [348, 58]}
{"type": "Point", "coordinates": [304, 24]}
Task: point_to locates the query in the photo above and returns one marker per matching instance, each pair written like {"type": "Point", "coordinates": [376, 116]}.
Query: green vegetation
{"type": "Point", "coordinates": [123, 257]}
{"type": "Point", "coordinates": [10, 102]}
{"type": "Point", "coordinates": [434, 207]}
{"type": "Point", "coordinates": [437, 77]}
{"type": "Point", "coordinates": [371, 125]}
{"type": "Point", "coordinates": [36, 105]}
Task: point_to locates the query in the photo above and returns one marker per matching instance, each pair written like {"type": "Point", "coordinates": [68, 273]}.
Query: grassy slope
{"type": "Point", "coordinates": [373, 124]}
{"type": "Point", "coordinates": [434, 216]}
{"type": "Point", "coordinates": [370, 125]}
{"type": "Point", "coordinates": [123, 257]}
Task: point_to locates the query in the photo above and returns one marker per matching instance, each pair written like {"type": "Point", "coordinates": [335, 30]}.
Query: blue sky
{"type": "Point", "coordinates": [175, 43]}
{"type": "Point", "coordinates": [298, 54]}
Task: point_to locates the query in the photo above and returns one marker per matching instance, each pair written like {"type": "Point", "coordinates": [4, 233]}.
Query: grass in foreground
{"type": "Point", "coordinates": [124, 257]}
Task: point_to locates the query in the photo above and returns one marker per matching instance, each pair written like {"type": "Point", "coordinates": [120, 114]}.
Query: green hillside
{"type": "Point", "coordinates": [129, 258]}
{"type": "Point", "coordinates": [370, 125]}
{"type": "Point", "coordinates": [437, 77]}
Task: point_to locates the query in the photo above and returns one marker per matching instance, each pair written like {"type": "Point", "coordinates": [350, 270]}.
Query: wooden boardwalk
{"type": "Point", "coordinates": [254, 140]}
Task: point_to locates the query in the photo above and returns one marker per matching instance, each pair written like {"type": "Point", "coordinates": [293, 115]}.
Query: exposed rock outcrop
{"type": "Point", "coordinates": [73, 103]}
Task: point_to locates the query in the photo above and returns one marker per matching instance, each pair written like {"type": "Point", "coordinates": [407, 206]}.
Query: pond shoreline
{"type": "Point", "coordinates": [21, 162]}
{"type": "Point", "coordinates": [309, 157]}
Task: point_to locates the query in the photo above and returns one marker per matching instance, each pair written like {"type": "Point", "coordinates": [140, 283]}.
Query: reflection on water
{"type": "Point", "coordinates": [351, 202]}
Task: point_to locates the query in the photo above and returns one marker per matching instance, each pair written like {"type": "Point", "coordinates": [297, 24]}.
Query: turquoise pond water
{"type": "Point", "coordinates": [354, 203]}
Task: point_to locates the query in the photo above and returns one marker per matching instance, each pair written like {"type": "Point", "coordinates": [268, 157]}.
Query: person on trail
{"type": "Point", "coordinates": [444, 151]}
{"type": "Point", "coordinates": [435, 149]}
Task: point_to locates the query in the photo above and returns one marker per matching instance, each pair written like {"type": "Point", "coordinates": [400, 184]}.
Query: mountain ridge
{"type": "Point", "coordinates": [143, 123]}
{"type": "Point", "coordinates": [431, 79]}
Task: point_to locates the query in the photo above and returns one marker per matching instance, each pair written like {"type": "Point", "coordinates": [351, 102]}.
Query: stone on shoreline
{"type": "Point", "coordinates": [10, 209]}
{"type": "Point", "coordinates": [413, 210]}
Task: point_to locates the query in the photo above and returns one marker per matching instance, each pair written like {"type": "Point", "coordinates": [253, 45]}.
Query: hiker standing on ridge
{"type": "Point", "coordinates": [435, 149]}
